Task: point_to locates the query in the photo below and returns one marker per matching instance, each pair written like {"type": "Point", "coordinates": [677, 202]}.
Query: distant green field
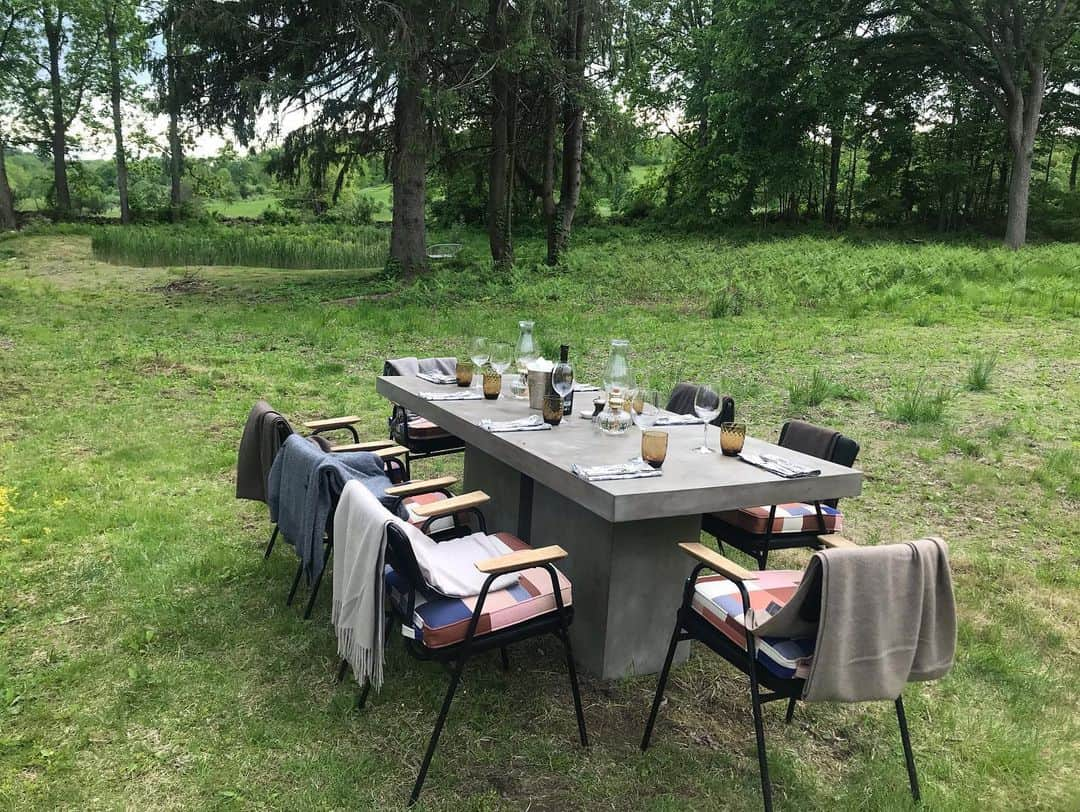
{"type": "Point", "coordinates": [251, 207]}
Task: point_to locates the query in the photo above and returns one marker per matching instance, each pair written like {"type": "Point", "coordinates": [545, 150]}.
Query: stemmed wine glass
{"type": "Point", "coordinates": [646, 407]}
{"type": "Point", "coordinates": [562, 379]}
{"type": "Point", "coordinates": [500, 357]}
{"type": "Point", "coordinates": [479, 357]}
{"type": "Point", "coordinates": [707, 407]}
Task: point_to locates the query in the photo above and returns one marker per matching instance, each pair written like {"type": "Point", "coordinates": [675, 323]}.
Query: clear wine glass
{"type": "Point", "coordinates": [501, 356]}
{"type": "Point", "coordinates": [707, 407]}
{"type": "Point", "coordinates": [646, 407]}
{"type": "Point", "coordinates": [479, 355]}
{"type": "Point", "coordinates": [562, 379]}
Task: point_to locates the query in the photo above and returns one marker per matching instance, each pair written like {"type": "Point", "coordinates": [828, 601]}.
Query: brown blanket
{"type": "Point", "coordinates": [264, 433]}
{"type": "Point", "coordinates": [883, 616]}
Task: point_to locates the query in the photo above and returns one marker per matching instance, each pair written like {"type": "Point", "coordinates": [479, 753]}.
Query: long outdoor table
{"type": "Point", "coordinates": [621, 535]}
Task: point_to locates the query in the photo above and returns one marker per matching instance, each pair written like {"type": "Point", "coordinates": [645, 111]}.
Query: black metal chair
{"type": "Point", "coordinates": [408, 593]}
{"type": "Point", "coordinates": [422, 438]}
{"type": "Point", "coordinates": [681, 401]}
{"type": "Point", "coordinates": [756, 531]}
{"type": "Point", "coordinates": [747, 656]}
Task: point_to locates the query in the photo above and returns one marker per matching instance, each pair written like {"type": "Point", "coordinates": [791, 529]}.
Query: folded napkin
{"type": "Point", "coordinates": [621, 470]}
{"type": "Point", "coordinates": [788, 469]}
{"type": "Point", "coordinates": [464, 394]}
{"type": "Point", "coordinates": [585, 387]}
{"type": "Point", "coordinates": [530, 423]}
{"type": "Point", "coordinates": [678, 420]}
{"type": "Point", "coordinates": [437, 377]}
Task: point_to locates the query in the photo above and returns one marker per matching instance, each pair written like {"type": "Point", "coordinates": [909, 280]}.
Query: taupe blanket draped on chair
{"type": "Point", "coordinates": [264, 433]}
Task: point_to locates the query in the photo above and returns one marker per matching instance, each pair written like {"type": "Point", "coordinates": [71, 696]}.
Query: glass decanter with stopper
{"type": "Point", "coordinates": [616, 418]}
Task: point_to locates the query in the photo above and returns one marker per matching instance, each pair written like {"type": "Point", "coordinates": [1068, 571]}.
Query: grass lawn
{"type": "Point", "coordinates": [147, 659]}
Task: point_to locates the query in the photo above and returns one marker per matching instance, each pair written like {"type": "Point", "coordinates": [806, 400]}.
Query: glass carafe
{"type": "Point", "coordinates": [617, 375]}
{"type": "Point", "coordinates": [525, 352]}
{"type": "Point", "coordinates": [616, 417]}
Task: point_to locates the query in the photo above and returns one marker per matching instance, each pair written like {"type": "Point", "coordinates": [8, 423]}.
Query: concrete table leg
{"type": "Point", "coordinates": [508, 488]}
{"type": "Point", "coordinates": [628, 580]}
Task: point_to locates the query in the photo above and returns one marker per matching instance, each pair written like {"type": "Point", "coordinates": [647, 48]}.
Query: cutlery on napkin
{"type": "Point", "coordinates": [441, 378]}
{"type": "Point", "coordinates": [621, 470]}
{"type": "Point", "coordinates": [585, 387]}
{"type": "Point", "coordinates": [789, 469]}
{"type": "Point", "coordinates": [530, 423]}
{"type": "Point", "coordinates": [468, 394]}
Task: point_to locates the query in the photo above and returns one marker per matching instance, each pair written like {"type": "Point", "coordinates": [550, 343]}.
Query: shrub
{"type": "Point", "coordinates": [813, 392]}
{"type": "Point", "coordinates": [728, 302]}
{"type": "Point", "coordinates": [978, 377]}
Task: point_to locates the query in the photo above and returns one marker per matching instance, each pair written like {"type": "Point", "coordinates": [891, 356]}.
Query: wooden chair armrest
{"type": "Point", "coordinates": [834, 540]}
{"type": "Point", "coordinates": [421, 486]}
{"type": "Point", "coordinates": [390, 451]}
{"type": "Point", "coordinates": [714, 561]}
{"type": "Point", "coordinates": [332, 423]}
{"type": "Point", "coordinates": [444, 507]}
{"type": "Point", "coordinates": [367, 445]}
{"type": "Point", "coordinates": [521, 560]}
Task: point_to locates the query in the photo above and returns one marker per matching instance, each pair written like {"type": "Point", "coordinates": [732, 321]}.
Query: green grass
{"type": "Point", "coordinates": [252, 207]}
{"type": "Point", "coordinates": [978, 377]}
{"type": "Point", "coordinates": [147, 659]}
{"type": "Point", "coordinates": [918, 404]}
{"type": "Point", "coordinates": [303, 247]}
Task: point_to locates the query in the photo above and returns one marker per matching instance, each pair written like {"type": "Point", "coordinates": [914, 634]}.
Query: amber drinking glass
{"type": "Point", "coordinates": [553, 409]}
{"type": "Point", "coordinates": [464, 372]}
{"type": "Point", "coordinates": [492, 385]}
{"type": "Point", "coordinates": [654, 447]}
{"type": "Point", "coordinates": [732, 436]}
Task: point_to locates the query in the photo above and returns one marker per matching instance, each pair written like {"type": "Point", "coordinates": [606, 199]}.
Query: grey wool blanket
{"type": "Point", "coordinates": [303, 490]}
{"type": "Point", "coordinates": [882, 616]}
{"type": "Point", "coordinates": [264, 433]}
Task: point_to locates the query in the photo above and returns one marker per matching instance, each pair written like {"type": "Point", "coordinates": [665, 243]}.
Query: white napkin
{"type": "Point", "coordinates": [678, 420]}
{"type": "Point", "coordinates": [530, 423]}
{"type": "Point", "coordinates": [437, 377]}
{"type": "Point", "coordinates": [585, 387]}
{"type": "Point", "coordinates": [789, 469]}
{"type": "Point", "coordinates": [464, 394]}
{"type": "Point", "coordinates": [621, 470]}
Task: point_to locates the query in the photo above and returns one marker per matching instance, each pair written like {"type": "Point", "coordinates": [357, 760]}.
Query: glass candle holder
{"type": "Point", "coordinates": [654, 447]}
{"type": "Point", "coordinates": [553, 409]}
{"type": "Point", "coordinates": [732, 436]}
{"type": "Point", "coordinates": [492, 385]}
{"type": "Point", "coordinates": [464, 373]}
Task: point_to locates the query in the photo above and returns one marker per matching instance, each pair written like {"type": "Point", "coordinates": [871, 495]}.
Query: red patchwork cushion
{"type": "Point", "coordinates": [438, 622]}
{"type": "Point", "coordinates": [792, 517]}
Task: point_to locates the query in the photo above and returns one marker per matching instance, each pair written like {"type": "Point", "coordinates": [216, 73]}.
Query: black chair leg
{"type": "Point", "coordinates": [763, 559]}
{"type": "Point", "coordinates": [759, 732]}
{"type": "Point", "coordinates": [505, 656]}
{"type": "Point", "coordinates": [361, 700]}
{"type": "Point", "coordinates": [419, 785]}
{"type": "Point", "coordinates": [582, 734]}
{"type": "Point", "coordinates": [342, 668]}
{"type": "Point", "coordinates": [661, 683]}
{"type": "Point", "coordinates": [295, 584]}
{"type": "Point", "coordinates": [909, 757]}
{"type": "Point", "coordinates": [790, 710]}
{"type": "Point", "coordinates": [270, 544]}
{"type": "Point", "coordinates": [327, 552]}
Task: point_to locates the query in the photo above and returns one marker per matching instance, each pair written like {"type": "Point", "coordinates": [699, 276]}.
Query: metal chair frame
{"type": "Point", "coordinates": [400, 557]}
{"type": "Point", "coordinates": [690, 625]}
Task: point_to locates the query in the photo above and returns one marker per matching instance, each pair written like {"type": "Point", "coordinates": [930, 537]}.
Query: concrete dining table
{"type": "Point", "coordinates": [621, 535]}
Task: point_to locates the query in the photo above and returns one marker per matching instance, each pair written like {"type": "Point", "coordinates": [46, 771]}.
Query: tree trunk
{"type": "Point", "coordinates": [851, 182]}
{"type": "Point", "coordinates": [176, 147]}
{"type": "Point", "coordinates": [7, 200]}
{"type": "Point", "coordinates": [54, 32]}
{"type": "Point", "coordinates": [573, 125]}
{"type": "Point", "coordinates": [836, 143]}
{"type": "Point", "coordinates": [498, 165]}
{"type": "Point", "coordinates": [117, 117]}
{"type": "Point", "coordinates": [1023, 125]}
{"type": "Point", "coordinates": [408, 238]}
{"type": "Point", "coordinates": [547, 196]}
{"type": "Point", "coordinates": [1050, 159]}
{"type": "Point", "coordinates": [1073, 170]}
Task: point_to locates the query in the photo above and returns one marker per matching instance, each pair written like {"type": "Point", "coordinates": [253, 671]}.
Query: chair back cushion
{"type": "Point", "coordinates": [820, 442]}
{"type": "Point", "coordinates": [411, 365]}
{"type": "Point", "coordinates": [681, 401]}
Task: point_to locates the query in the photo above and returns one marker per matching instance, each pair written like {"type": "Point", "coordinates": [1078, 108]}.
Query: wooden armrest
{"type": "Point", "coordinates": [444, 507]}
{"type": "Point", "coordinates": [714, 561]}
{"type": "Point", "coordinates": [521, 560]}
{"type": "Point", "coordinates": [390, 451]}
{"type": "Point", "coordinates": [332, 423]}
{"type": "Point", "coordinates": [834, 540]}
{"type": "Point", "coordinates": [421, 486]}
{"type": "Point", "coordinates": [367, 445]}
